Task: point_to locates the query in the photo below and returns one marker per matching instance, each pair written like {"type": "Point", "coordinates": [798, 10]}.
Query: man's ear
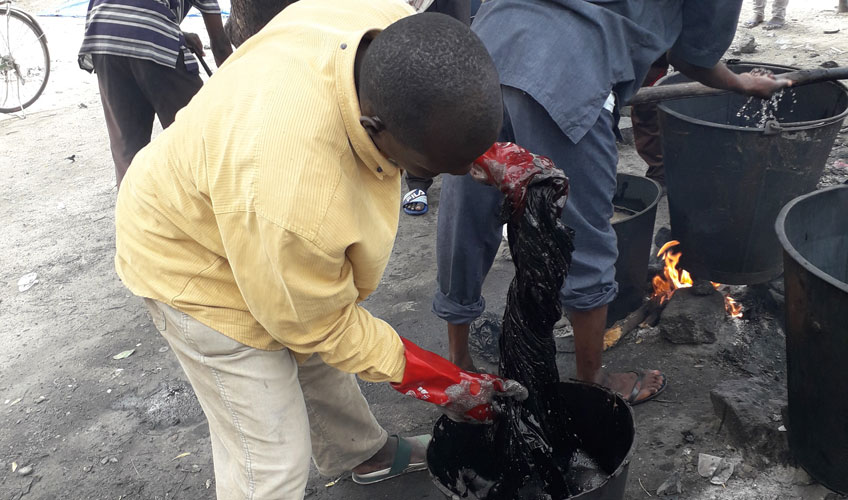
{"type": "Point", "coordinates": [372, 124]}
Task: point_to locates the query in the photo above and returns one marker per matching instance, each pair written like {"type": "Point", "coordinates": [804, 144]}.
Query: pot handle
{"type": "Point", "coordinates": [772, 127]}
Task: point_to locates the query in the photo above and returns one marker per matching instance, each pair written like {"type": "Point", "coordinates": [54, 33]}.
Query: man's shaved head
{"type": "Point", "coordinates": [434, 87]}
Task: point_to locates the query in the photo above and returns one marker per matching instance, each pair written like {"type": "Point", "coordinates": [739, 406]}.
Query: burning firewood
{"type": "Point", "coordinates": [633, 320]}
{"type": "Point", "coordinates": [672, 279]}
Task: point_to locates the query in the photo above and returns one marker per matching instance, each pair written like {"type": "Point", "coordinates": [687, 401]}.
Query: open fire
{"type": "Point", "coordinates": [674, 278]}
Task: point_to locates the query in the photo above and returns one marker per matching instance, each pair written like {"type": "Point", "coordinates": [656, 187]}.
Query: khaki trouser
{"type": "Point", "coordinates": [266, 415]}
{"type": "Point", "coordinates": [778, 9]}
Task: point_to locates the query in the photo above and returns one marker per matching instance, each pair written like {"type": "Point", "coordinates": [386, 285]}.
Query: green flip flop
{"type": "Point", "coordinates": [402, 463]}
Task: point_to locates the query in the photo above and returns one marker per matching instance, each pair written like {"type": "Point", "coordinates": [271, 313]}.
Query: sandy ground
{"type": "Point", "coordinates": [93, 427]}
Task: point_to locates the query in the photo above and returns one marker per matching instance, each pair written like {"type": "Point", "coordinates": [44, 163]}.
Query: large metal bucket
{"type": "Point", "coordinates": [727, 180]}
{"type": "Point", "coordinates": [813, 230]}
{"type": "Point", "coordinates": [639, 195]}
{"type": "Point", "coordinates": [602, 421]}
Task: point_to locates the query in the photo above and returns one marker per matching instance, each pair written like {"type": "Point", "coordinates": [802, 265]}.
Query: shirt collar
{"type": "Point", "coordinates": [362, 144]}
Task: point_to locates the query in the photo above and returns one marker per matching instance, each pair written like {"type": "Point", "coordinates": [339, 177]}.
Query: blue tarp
{"type": "Point", "coordinates": [78, 8]}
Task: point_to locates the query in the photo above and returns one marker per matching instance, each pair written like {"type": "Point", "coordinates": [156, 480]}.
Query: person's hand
{"type": "Point", "coordinates": [194, 44]}
{"type": "Point", "coordinates": [463, 396]}
{"type": "Point", "coordinates": [762, 84]}
{"type": "Point", "coordinates": [512, 169]}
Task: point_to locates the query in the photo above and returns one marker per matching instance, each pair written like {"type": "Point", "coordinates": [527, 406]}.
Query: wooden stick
{"type": "Point", "coordinates": [694, 89]}
{"type": "Point", "coordinates": [624, 326]}
{"type": "Point", "coordinates": [653, 315]}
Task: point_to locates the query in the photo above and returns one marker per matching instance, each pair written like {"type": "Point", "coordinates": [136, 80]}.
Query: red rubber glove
{"type": "Point", "coordinates": [511, 169]}
{"type": "Point", "coordinates": [463, 396]}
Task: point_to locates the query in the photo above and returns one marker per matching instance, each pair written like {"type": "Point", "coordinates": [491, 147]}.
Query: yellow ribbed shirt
{"type": "Point", "coordinates": [265, 211]}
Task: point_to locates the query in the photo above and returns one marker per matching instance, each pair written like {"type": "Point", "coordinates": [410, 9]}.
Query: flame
{"type": "Point", "coordinates": [674, 278]}
{"type": "Point", "coordinates": [732, 307]}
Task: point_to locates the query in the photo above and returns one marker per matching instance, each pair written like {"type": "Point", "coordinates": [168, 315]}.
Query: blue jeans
{"type": "Point", "coordinates": [469, 229]}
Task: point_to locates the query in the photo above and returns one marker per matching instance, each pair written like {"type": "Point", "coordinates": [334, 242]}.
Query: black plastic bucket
{"type": "Point", "coordinates": [728, 179]}
{"type": "Point", "coordinates": [600, 419]}
{"type": "Point", "coordinates": [639, 197]}
{"type": "Point", "coordinates": [813, 230]}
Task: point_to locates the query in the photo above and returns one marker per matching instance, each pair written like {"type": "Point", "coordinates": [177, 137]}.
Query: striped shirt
{"type": "Point", "coordinates": [141, 29]}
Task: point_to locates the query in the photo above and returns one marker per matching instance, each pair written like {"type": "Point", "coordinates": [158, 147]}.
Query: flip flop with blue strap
{"type": "Point", "coordinates": [402, 463]}
{"type": "Point", "coordinates": [413, 197]}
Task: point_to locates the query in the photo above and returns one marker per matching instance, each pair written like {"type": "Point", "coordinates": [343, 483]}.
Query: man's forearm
{"type": "Point", "coordinates": [221, 48]}
{"type": "Point", "coordinates": [719, 76]}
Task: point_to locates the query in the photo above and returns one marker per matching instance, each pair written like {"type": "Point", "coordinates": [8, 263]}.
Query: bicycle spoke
{"type": "Point", "coordinates": [25, 61]}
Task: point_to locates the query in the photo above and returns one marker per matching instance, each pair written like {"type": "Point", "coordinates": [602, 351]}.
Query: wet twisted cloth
{"type": "Point", "coordinates": [536, 447]}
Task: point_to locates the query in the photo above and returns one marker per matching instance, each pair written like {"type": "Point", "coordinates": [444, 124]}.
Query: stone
{"type": "Point", "coordinates": [671, 486]}
{"type": "Point", "coordinates": [25, 471]}
{"type": "Point", "coordinates": [662, 237]}
{"type": "Point", "coordinates": [746, 407]}
{"type": "Point", "coordinates": [748, 47]}
{"type": "Point", "coordinates": [747, 472]}
{"type": "Point", "coordinates": [693, 319]}
{"type": "Point", "coordinates": [702, 288]}
{"type": "Point", "coordinates": [723, 472]}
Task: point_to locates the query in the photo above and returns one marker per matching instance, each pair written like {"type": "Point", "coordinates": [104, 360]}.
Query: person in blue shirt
{"type": "Point", "coordinates": [563, 64]}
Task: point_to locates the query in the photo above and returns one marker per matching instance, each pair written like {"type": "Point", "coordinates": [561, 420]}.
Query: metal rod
{"type": "Point", "coordinates": [205, 66]}
{"type": "Point", "coordinates": [202, 62]}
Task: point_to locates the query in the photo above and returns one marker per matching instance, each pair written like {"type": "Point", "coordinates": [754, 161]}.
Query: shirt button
{"type": "Point", "coordinates": [380, 169]}
{"type": "Point", "coordinates": [344, 46]}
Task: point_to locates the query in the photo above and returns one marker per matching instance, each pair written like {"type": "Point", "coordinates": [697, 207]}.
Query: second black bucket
{"type": "Point", "coordinates": [729, 171]}
{"type": "Point", "coordinates": [600, 419]}
{"type": "Point", "coordinates": [635, 201]}
{"type": "Point", "coordinates": [813, 230]}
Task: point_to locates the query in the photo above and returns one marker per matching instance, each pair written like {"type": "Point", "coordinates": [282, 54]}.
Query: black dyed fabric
{"type": "Point", "coordinates": [536, 452]}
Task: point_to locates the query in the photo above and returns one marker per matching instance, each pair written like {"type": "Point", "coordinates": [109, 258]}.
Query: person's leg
{"type": "Point", "coordinates": [168, 89]}
{"type": "Point", "coordinates": [759, 14]}
{"type": "Point", "coordinates": [254, 406]}
{"type": "Point", "coordinates": [345, 435]}
{"type": "Point", "coordinates": [590, 165]}
{"type": "Point", "coordinates": [646, 137]}
{"type": "Point", "coordinates": [778, 15]}
{"type": "Point", "coordinates": [343, 430]}
{"type": "Point", "coordinates": [646, 126]}
{"type": "Point", "coordinates": [467, 240]}
{"type": "Point", "coordinates": [414, 184]}
{"type": "Point", "coordinates": [422, 183]}
{"type": "Point", "coordinates": [129, 115]}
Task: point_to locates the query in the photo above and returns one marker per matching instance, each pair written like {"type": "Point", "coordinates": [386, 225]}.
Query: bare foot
{"type": "Point", "coordinates": [623, 384]}
{"type": "Point", "coordinates": [752, 23]}
{"type": "Point", "coordinates": [386, 455]}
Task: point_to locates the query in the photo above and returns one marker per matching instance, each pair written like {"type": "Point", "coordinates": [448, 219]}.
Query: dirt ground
{"type": "Point", "coordinates": [89, 426]}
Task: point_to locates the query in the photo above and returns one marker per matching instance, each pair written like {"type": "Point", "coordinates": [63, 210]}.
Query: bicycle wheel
{"type": "Point", "coordinates": [24, 60]}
